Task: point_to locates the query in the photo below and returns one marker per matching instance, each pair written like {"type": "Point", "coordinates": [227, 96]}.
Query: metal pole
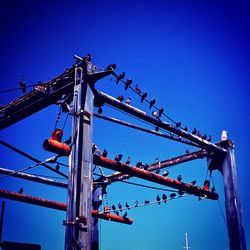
{"type": "Point", "coordinates": [78, 222]}
{"type": "Point", "coordinates": [235, 225]}
{"type": "Point", "coordinates": [1, 222]}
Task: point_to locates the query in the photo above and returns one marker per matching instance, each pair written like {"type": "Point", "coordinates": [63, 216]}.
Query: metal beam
{"type": "Point", "coordinates": [59, 206]}
{"type": "Point", "coordinates": [156, 178]}
{"type": "Point", "coordinates": [157, 122]}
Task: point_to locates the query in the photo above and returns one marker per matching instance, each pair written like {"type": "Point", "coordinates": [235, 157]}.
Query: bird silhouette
{"type": "Point", "coordinates": [173, 195]}
{"type": "Point", "coordinates": [20, 190]}
{"type": "Point", "coordinates": [185, 128]}
{"type": "Point", "coordinates": [154, 114]}
{"type": "Point", "coordinates": [117, 213]}
{"type": "Point", "coordinates": [100, 110]}
{"type": "Point", "coordinates": [120, 77]}
{"type": "Point", "coordinates": [147, 201]}
{"type": "Point", "coordinates": [157, 171]}
{"type": "Point", "coordinates": [187, 151]}
{"type": "Point", "coordinates": [57, 167]}
{"type": "Point", "coordinates": [128, 161]}
{"type": "Point", "coordinates": [138, 164]}
{"type": "Point", "coordinates": [180, 192]}
{"type": "Point", "coordinates": [145, 166]}
{"type": "Point", "coordinates": [113, 207]}
{"type": "Point", "coordinates": [128, 83]}
{"type": "Point", "coordinates": [105, 153]}
{"type": "Point", "coordinates": [164, 197]}
{"type": "Point", "coordinates": [120, 206]}
{"type": "Point", "coordinates": [22, 86]}
{"type": "Point", "coordinates": [128, 101]}
{"type": "Point", "coordinates": [213, 189]}
{"type": "Point", "coordinates": [166, 173]}
{"type": "Point", "coordinates": [199, 134]}
{"type": "Point", "coordinates": [118, 157]}
{"type": "Point", "coordinates": [127, 205]}
{"type": "Point", "coordinates": [178, 124]}
{"type": "Point", "coordinates": [111, 66]}
{"type": "Point", "coordinates": [125, 215]}
{"type": "Point", "coordinates": [209, 139]}
{"type": "Point", "coordinates": [137, 89]}
{"type": "Point", "coordinates": [192, 183]}
{"type": "Point", "coordinates": [204, 137]}
{"type": "Point", "coordinates": [120, 98]}
{"type": "Point", "coordinates": [152, 103]}
{"type": "Point", "coordinates": [136, 203]}
{"type": "Point", "coordinates": [194, 132]}
{"type": "Point", "coordinates": [161, 110]}
{"type": "Point", "coordinates": [144, 96]}
{"type": "Point", "coordinates": [158, 198]}
{"type": "Point", "coordinates": [179, 177]}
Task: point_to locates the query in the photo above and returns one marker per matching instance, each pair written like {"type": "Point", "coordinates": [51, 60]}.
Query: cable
{"type": "Point", "coordinates": [15, 89]}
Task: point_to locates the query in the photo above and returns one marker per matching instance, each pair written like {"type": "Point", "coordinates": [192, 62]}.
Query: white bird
{"type": "Point", "coordinates": [224, 135]}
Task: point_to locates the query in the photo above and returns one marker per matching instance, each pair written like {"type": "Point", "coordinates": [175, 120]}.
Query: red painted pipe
{"type": "Point", "coordinates": [146, 175]}
{"type": "Point", "coordinates": [59, 206]}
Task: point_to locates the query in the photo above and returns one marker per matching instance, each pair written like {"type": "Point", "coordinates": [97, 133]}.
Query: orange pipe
{"type": "Point", "coordinates": [57, 147]}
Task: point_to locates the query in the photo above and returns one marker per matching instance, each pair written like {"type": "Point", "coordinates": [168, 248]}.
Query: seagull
{"type": "Point", "coordinates": [158, 198]}
{"type": "Point", "coordinates": [137, 89]}
{"type": "Point", "coordinates": [128, 161]}
{"type": "Point", "coordinates": [164, 197]}
{"type": "Point", "coordinates": [120, 77]}
{"type": "Point", "coordinates": [105, 153]}
{"type": "Point", "coordinates": [120, 98]}
{"type": "Point", "coordinates": [118, 157]}
{"type": "Point", "coordinates": [161, 110]}
{"type": "Point", "coordinates": [23, 86]}
{"type": "Point", "coordinates": [128, 83]}
{"type": "Point", "coordinates": [152, 103]}
{"type": "Point", "coordinates": [128, 101]}
{"type": "Point", "coordinates": [127, 205]}
{"type": "Point", "coordinates": [144, 96]}
{"type": "Point", "coordinates": [120, 206]}
{"type": "Point", "coordinates": [224, 135]}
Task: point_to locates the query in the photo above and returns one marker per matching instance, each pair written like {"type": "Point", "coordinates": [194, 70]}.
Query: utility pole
{"type": "Point", "coordinates": [78, 219]}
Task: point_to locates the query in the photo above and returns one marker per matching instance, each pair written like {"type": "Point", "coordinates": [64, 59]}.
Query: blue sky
{"type": "Point", "coordinates": [192, 57]}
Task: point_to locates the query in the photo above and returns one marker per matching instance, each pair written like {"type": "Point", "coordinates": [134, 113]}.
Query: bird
{"type": "Point", "coordinates": [204, 137]}
{"type": "Point", "coordinates": [137, 89]}
{"type": "Point", "coordinates": [180, 192]}
{"type": "Point", "coordinates": [57, 167]}
{"type": "Point", "coordinates": [147, 201]}
{"type": "Point", "coordinates": [185, 128]}
{"type": "Point", "coordinates": [199, 134]}
{"type": "Point", "coordinates": [179, 177]}
{"type": "Point", "coordinates": [20, 190]}
{"type": "Point", "coordinates": [127, 205]}
{"type": "Point", "coordinates": [120, 206]}
{"type": "Point", "coordinates": [173, 195]}
{"type": "Point", "coordinates": [224, 135]}
{"type": "Point", "coordinates": [23, 85]}
{"type": "Point", "coordinates": [166, 173]}
{"type": "Point", "coordinates": [125, 215]}
{"type": "Point", "coordinates": [88, 57]}
{"type": "Point", "coordinates": [164, 197]}
{"type": "Point", "coordinates": [136, 203]}
{"type": "Point", "coordinates": [194, 132]}
{"type": "Point", "coordinates": [161, 110]}
{"type": "Point", "coordinates": [157, 171]}
{"type": "Point", "coordinates": [111, 66]}
{"type": "Point", "coordinates": [213, 189]}
{"type": "Point", "coordinates": [138, 164]}
{"type": "Point", "coordinates": [209, 139]}
{"type": "Point", "coordinates": [128, 83]}
{"type": "Point", "coordinates": [128, 161]}
{"type": "Point", "coordinates": [144, 96]}
{"type": "Point", "coordinates": [157, 128]}
{"type": "Point", "coordinates": [117, 213]}
{"type": "Point", "coordinates": [178, 124]}
{"type": "Point", "coordinates": [158, 198]}
{"type": "Point", "coordinates": [152, 103]}
{"type": "Point", "coordinates": [156, 160]}
{"type": "Point", "coordinates": [145, 166]}
{"type": "Point", "coordinates": [104, 153]}
{"type": "Point", "coordinates": [120, 77]}
{"type": "Point", "coordinates": [100, 110]}
{"type": "Point", "coordinates": [128, 101]}
{"type": "Point", "coordinates": [192, 183]}
{"type": "Point", "coordinates": [187, 151]}
{"type": "Point", "coordinates": [118, 157]}
{"type": "Point", "coordinates": [113, 207]}
{"type": "Point", "coordinates": [120, 98]}
{"type": "Point", "coordinates": [154, 114]}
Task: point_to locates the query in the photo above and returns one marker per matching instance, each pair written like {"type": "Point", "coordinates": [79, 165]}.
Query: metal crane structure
{"type": "Point", "coordinates": [74, 91]}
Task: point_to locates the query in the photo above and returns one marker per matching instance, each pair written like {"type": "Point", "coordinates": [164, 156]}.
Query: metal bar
{"type": "Point", "coordinates": [236, 232]}
{"type": "Point", "coordinates": [1, 220]}
{"type": "Point", "coordinates": [127, 124]}
{"type": "Point", "coordinates": [59, 206]}
{"type": "Point", "coordinates": [156, 178]}
{"type": "Point", "coordinates": [163, 164]}
{"type": "Point", "coordinates": [34, 178]}
{"type": "Point", "coordinates": [31, 158]}
{"type": "Point", "coordinates": [157, 122]}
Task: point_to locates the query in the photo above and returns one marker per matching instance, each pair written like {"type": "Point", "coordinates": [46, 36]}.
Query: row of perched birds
{"type": "Point", "coordinates": [152, 102]}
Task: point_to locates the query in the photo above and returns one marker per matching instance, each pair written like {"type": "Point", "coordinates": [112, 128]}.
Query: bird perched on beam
{"type": "Point", "coordinates": [161, 110]}
{"type": "Point", "coordinates": [128, 101]}
{"type": "Point", "coordinates": [158, 198]}
{"type": "Point", "coordinates": [111, 66]}
{"type": "Point", "coordinates": [179, 177]}
{"type": "Point", "coordinates": [104, 153]}
{"type": "Point", "coordinates": [120, 98]}
{"type": "Point", "coordinates": [152, 103]}
{"type": "Point", "coordinates": [178, 124]}
{"type": "Point", "coordinates": [194, 132]}
{"type": "Point", "coordinates": [120, 206]}
{"type": "Point", "coordinates": [166, 173]}
{"type": "Point", "coordinates": [113, 207]}
{"type": "Point", "coordinates": [118, 157]}
{"type": "Point", "coordinates": [164, 197]}
{"type": "Point", "coordinates": [23, 85]}
{"type": "Point", "coordinates": [144, 96]}
{"type": "Point", "coordinates": [127, 205]}
{"type": "Point", "coordinates": [128, 161]}
{"type": "Point", "coordinates": [120, 77]}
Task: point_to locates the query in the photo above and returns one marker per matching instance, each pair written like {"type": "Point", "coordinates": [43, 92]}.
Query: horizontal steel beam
{"type": "Point", "coordinates": [158, 122]}
{"type": "Point", "coordinates": [156, 178]}
{"type": "Point", "coordinates": [59, 206]}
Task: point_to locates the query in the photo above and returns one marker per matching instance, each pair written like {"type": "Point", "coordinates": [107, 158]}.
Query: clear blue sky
{"type": "Point", "coordinates": [192, 57]}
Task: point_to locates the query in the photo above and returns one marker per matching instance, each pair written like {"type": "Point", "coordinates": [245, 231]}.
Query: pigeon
{"type": "Point", "coordinates": [120, 98]}
{"type": "Point", "coordinates": [120, 206]}
{"type": "Point", "coordinates": [136, 203]}
{"type": "Point", "coordinates": [192, 183]}
{"type": "Point", "coordinates": [137, 89]}
{"type": "Point", "coordinates": [154, 114]}
{"type": "Point", "coordinates": [125, 215]}
{"type": "Point", "coordinates": [117, 213]}
{"type": "Point", "coordinates": [187, 151]}
{"type": "Point", "coordinates": [173, 195]}
{"type": "Point", "coordinates": [138, 164]}
{"type": "Point", "coordinates": [128, 101]}
{"type": "Point", "coordinates": [166, 173]}
{"type": "Point", "coordinates": [204, 137]}
{"type": "Point", "coordinates": [161, 110]}
{"type": "Point", "coordinates": [128, 83]}
{"type": "Point", "coordinates": [57, 167]}
{"type": "Point", "coordinates": [23, 86]}
{"type": "Point", "coordinates": [199, 134]}
{"type": "Point", "coordinates": [118, 157]}
{"type": "Point", "coordinates": [209, 139]}
{"type": "Point", "coordinates": [20, 190]}
{"type": "Point", "coordinates": [152, 103]}
{"type": "Point", "coordinates": [146, 166]}
{"type": "Point", "coordinates": [111, 66]}
{"type": "Point", "coordinates": [157, 171]}
{"type": "Point", "coordinates": [146, 201]}
{"type": "Point", "coordinates": [164, 197]}
{"type": "Point", "coordinates": [178, 124]}
{"type": "Point", "coordinates": [179, 177]}
{"type": "Point", "coordinates": [185, 128]}
{"type": "Point", "coordinates": [158, 198]}
{"type": "Point", "coordinates": [127, 205]}
{"type": "Point", "coordinates": [144, 96]}
{"type": "Point", "coordinates": [180, 192]}
{"type": "Point", "coordinates": [113, 207]}
{"type": "Point", "coordinates": [194, 132]}
{"type": "Point", "coordinates": [128, 161]}
{"type": "Point", "coordinates": [105, 153]}
{"type": "Point", "coordinates": [120, 77]}
{"type": "Point", "coordinates": [100, 110]}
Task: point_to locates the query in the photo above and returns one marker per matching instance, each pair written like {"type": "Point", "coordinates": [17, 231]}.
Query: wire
{"type": "Point", "coordinates": [15, 89]}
